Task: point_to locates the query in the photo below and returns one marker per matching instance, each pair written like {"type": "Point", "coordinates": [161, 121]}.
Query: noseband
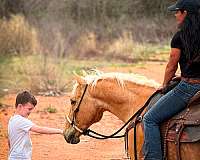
{"type": "Point", "coordinates": [72, 123]}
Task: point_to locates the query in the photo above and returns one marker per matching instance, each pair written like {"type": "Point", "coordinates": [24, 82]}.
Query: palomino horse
{"type": "Point", "coordinates": [120, 94]}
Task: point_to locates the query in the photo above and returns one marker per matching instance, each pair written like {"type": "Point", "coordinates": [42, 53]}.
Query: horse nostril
{"type": "Point", "coordinates": [70, 137]}
{"type": "Point", "coordinates": [66, 139]}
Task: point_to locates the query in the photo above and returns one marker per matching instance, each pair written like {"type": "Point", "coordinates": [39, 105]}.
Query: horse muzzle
{"type": "Point", "coordinates": [71, 136]}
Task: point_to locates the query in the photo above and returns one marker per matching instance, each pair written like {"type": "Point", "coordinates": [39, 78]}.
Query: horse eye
{"type": "Point", "coordinates": [73, 102]}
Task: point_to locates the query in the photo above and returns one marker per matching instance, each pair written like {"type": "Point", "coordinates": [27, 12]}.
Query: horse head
{"type": "Point", "coordinates": [85, 110]}
{"type": "Point", "coordinates": [94, 94]}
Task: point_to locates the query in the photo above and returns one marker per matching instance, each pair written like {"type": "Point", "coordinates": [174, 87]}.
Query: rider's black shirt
{"type": "Point", "coordinates": [189, 68]}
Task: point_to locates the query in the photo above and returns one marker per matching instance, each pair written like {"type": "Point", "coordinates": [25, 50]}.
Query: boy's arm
{"type": "Point", "coordinates": [45, 130]}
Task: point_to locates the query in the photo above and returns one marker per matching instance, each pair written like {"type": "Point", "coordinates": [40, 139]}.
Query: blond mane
{"type": "Point", "coordinates": [121, 77]}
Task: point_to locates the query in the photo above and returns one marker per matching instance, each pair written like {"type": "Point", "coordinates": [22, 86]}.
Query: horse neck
{"type": "Point", "coordinates": [122, 102]}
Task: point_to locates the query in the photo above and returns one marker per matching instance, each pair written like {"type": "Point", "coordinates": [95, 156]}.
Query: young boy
{"type": "Point", "coordinates": [19, 126]}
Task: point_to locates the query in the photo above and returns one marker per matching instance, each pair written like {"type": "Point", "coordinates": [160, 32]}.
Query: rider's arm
{"type": "Point", "coordinates": [45, 130]}
{"type": "Point", "coordinates": [172, 65]}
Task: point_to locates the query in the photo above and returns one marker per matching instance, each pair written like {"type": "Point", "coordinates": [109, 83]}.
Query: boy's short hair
{"type": "Point", "coordinates": [25, 97]}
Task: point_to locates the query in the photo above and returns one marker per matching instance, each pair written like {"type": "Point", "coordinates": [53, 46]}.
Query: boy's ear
{"type": "Point", "coordinates": [19, 106]}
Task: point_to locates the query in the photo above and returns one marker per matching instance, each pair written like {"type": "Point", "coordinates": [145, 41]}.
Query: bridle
{"type": "Point", "coordinates": [72, 123]}
{"type": "Point", "coordinates": [88, 131]}
{"type": "Point", "coordinates": [98, 135]}
{"type": "Point", "coordinates": [137, 116]}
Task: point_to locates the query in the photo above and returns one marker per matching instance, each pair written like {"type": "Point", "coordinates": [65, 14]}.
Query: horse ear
{"type": "Point", "coordinates": [79, 79]}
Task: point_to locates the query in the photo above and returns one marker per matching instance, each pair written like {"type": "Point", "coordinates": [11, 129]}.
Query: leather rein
{"type": "Point", "coordinates": [98, 135]}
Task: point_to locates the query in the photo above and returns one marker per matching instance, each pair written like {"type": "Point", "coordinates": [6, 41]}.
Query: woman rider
{"type": "Point", "coordinates": [185, 51]}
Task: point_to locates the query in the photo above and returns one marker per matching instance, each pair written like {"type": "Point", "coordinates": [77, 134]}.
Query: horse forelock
{"type": "Point", "coordinates": [121, 77]}
{"type": "Point", "coordinates": [74, 87]}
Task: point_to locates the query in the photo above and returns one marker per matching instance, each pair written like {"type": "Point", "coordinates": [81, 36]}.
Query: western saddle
{"type": "Point", "coordinates": [183, 127]}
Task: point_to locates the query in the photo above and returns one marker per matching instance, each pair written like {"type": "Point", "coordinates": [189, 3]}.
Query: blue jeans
{"type": "Point", "coordinates": [166, 107]}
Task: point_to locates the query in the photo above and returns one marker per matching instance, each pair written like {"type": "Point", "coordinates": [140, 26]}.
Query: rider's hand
{"type": "Point", "coordinates": [161, 88]}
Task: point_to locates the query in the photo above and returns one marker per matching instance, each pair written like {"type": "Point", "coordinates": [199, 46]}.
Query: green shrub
{"type": "Point", "coordinates": [51, 109]}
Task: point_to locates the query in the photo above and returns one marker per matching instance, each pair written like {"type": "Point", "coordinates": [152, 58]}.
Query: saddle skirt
{"type": "Point", "coordinates": [185, 126]}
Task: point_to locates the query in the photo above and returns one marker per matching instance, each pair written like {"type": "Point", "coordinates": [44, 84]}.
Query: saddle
{"type": "Point", "coordinates": [183, 127]}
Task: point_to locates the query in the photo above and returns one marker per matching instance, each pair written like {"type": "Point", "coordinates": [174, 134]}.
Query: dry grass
{"type": "Point", "coordinates": [86, 46]}
{"type": "Point", "coordinates": [43, 74]}
{"type": "Point", "coordinates": [123, 48]}
{"type": "Point", "coordinates": [17, 36]}
{"type": "Point", "coordinates": [52, 68]}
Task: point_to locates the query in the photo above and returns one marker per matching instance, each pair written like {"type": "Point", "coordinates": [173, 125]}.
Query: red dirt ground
{"type": "Point", "coordinates": [50, 147]}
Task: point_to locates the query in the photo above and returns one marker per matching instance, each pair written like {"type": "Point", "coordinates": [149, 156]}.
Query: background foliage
{"type": "Point", "coordinates": [38, 36]}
